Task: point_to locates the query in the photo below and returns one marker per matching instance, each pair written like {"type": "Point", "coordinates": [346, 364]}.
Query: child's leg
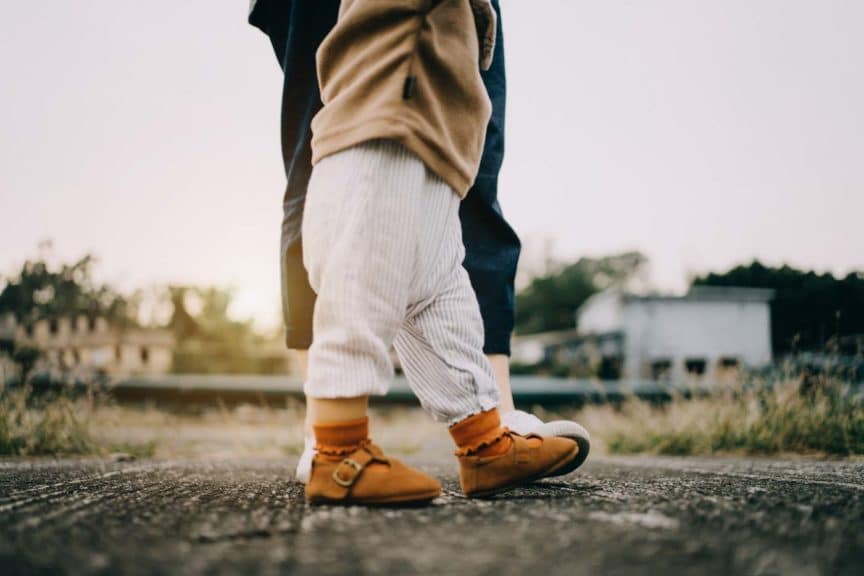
{"type": "Point", "coordinates": [440, 347]}
{"type": "Point", "coordinates": [359, 233]}
{"type": "Point", "coordinates": [356, 265]}
{"type": "Point", "coordinates": [338, 409]}
{"type": "Point", "coordinates": [442, 357]}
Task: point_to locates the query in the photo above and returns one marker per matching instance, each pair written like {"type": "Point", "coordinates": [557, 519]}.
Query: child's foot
{"type": "Point", "coordinates": [523, 423]}
{"type": "Point", "coordinates": [367, 476]}
{"type": "Point", "coordinates": [526, 424]}
{"type": "Point", "coordinates": [492, 459]}
{"type": "Point", "coordinates": [527, 460]}
{"type": "Point", "coordinates": [348, 469]}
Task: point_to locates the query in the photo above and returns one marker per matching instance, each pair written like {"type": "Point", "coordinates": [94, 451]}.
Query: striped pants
{"type": "Point", "coordinates": [382, 244]}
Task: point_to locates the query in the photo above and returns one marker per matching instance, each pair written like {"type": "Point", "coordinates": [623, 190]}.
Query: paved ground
{"type": "Point", "coordinates": [617, 516]}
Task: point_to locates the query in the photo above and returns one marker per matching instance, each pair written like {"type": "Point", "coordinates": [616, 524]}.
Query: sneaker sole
{"type": "Point", "coordinates": [564, 462]}
{"type": "Point", "coordinates": [572, 431]}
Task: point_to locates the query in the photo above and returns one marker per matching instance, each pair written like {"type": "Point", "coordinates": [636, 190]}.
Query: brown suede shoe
{"type": "Point", "coordinates": [367, 476]}
{"type": "Point", "coordinates": [529, 458]}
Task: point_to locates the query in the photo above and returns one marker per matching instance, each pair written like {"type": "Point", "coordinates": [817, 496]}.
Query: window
{"type": "Point", "coordinates": [91, 323]}
{"type": "Point", "coordinates": [145, 355]}
{"type": "Point", "coordinates": [610, 368]}
{"type": "Point", "coordinates": [118, 354]}
{"type": "Point", "coordinates": [728, 363]}
{"type": "Point", "coordinates": [728, 368]}
{"type": "Point", "coordinates": [53, 325]}
{"type": "Point", "coordinates": [661, 369]}
{"type": "Point", "coordinates": [695, 366]}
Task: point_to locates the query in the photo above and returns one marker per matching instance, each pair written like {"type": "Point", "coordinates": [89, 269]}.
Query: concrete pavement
{"type": "Point", "coordinates": [616, 516]}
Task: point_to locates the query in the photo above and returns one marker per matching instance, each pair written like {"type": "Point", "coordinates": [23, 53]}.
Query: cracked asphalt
{"type": "Point", "coordinates": [615, 516]}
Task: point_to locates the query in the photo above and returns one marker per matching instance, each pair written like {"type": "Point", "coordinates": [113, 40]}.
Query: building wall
{"type": "Point", "coordinates": [601, 313]}
{"type": "Point", "coordinates": [159, 361]}
{"type": "Point", "coordinates": [84, 345]}
{"type": "Point", "coordinates": [681, 329]}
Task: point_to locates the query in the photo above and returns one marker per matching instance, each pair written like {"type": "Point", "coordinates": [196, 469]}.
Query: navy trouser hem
{"type": "Point", "coordinates": [497, 342]}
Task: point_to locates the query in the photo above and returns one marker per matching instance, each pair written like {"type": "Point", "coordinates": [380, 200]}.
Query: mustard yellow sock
{"type": "Point", "coordinates": [335, 440]}
{"type": "Point", "coordinates": [481, 435]}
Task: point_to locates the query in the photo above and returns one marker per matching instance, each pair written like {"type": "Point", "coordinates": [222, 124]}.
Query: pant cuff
{"type": "Point", "coordinates": [497, 342]}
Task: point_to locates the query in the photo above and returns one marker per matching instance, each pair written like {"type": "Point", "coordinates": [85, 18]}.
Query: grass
{"type": "Point", "coordinates": [58, 424]}
{"type": "Point", "coordinates": [44, 425]}
{"type": "Point", "coordinates": [825, 419]}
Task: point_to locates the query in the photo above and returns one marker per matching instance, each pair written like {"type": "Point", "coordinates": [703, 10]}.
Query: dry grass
{"type": "Point", "coordinates": [826, 420]}
{"type": "Point", "coordinates": [55, 424]}
{"type": "Point", "coordinates": [90, 424]}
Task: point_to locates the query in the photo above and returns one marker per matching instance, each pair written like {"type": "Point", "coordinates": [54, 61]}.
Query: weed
{"type": "Point", "coordinates": [768, 419]}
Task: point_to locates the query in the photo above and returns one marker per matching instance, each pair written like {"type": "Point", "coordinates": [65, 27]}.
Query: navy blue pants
{"type": "Point", "coordinates": [295, 29]}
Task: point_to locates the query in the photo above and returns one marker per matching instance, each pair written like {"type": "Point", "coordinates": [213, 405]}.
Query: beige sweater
{"type": "Point", "coordinates": [408, 70]}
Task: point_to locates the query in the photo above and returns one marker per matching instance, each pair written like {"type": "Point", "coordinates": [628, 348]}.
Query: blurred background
{"type": "Point", "coordinates": [687, 178]}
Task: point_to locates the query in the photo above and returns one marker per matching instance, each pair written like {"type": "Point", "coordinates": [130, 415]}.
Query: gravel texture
{"type": "Point", "coordinates": [615, 516]}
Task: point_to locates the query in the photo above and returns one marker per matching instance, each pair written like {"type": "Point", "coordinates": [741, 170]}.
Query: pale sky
{"type": "Point", "coordinates": [704, 133]}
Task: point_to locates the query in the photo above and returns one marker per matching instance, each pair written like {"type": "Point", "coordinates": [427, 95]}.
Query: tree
{"type": "Point", "coordinates": [808, 309]}
{"type": "Point", "coordinates": [39, 291]}
{"type": "Point", "coordinates": [182, 323]}
{"type": "Point", "coordinates": [550, 301]}
{"type": "Point", "coordinates": [208, 339]}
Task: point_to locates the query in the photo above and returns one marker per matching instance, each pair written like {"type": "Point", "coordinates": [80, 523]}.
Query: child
{"type": "Point", "coordinates": [395, 148]}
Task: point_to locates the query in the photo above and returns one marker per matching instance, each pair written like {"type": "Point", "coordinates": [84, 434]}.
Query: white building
{"type": "Point", "coordinates": [709, 333]}
{"type": "Point", "coordinates": [83, 346]}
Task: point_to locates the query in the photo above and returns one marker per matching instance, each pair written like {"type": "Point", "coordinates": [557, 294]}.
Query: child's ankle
{"type": "Point", "coordinates": [335, 440]}
{"type": "Point", "coordinates": [481, 435]}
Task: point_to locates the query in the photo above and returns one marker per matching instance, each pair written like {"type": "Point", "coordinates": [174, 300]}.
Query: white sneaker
{"type": "Point", "coordinates": [523, 423]}
{"type": "Point", "coordinates": [304, 466]}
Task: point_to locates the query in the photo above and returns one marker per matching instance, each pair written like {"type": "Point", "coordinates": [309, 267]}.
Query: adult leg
{"type": "Point", "coordinates": [295, 30]}
{"type": "Point", "coordinates": [491, 246]}
{"type": "Point", "coordinates": [298, 28]}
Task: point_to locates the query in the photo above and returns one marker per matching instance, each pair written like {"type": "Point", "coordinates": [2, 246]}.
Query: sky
{"type": "Point", "coordinates": [703, 133]}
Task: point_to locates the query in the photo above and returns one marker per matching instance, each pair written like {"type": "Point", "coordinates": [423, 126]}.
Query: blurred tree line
{"type": "Point", "coordinates": [38, 292]}
{"type": "Point", "coordinates": [809, 310]}
{"type": "Point", "coordinates": [549, 301]}
{"type": "Point", "coordinates": [209, 341]}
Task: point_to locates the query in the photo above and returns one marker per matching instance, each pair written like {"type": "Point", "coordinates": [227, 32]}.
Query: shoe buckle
{"type": "Point", "coordinates": [356, 466]}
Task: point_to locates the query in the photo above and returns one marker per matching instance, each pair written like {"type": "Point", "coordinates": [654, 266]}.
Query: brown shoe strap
{"type": "Point", "coordinates": [349, 469]}
{"type": "Point", "coordinates": [524, 451]}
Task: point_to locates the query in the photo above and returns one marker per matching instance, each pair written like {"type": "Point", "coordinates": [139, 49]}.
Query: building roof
{"type": "Point", "coordinates": [709, 294]}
